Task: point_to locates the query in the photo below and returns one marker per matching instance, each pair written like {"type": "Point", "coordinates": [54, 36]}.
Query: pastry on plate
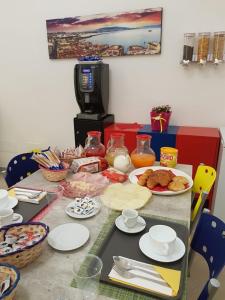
{"type": "Point", "coordinates": [176, 186]}
{"type": "Point", "coordinates": [181, 179]}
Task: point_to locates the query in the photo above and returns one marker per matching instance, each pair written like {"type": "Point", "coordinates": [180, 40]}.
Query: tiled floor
{"type": "Point", "coordinates": [198, 276]}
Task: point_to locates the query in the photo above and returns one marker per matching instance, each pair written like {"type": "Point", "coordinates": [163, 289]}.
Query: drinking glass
{"type": "Point", "coordinates": [87, 270]}
{"type": "Point", "coordinates": [54, 192]}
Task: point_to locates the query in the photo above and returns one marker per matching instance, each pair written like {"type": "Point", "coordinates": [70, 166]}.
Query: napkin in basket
{"type": "Point", "coordinates": [169, 277]}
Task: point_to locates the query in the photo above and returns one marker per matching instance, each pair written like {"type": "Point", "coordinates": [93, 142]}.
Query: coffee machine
{"type": "Point", "coordinates": [91, 83]}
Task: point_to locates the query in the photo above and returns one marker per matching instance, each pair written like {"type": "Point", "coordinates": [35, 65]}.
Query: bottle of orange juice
{"type": "Point", "coordinates": [143, 155]}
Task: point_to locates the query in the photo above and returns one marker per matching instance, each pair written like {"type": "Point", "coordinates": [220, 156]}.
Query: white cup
{"type": "Point", "coordinates": [130, 217]}
{"type": "Point", "coordinates": [6, 216]}
{"type": "Point", "coordinates": [4, 200]}
{"type": "Point", "coordinates": [162, 239]}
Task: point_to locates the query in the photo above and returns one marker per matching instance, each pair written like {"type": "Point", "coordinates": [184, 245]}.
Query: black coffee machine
{"type": "Point", "coordinates": [91, 83]}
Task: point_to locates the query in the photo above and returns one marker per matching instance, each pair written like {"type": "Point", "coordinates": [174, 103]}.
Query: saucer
{"type": "Point", "coordinates": [138, 228]}
{"type": "Point", "coordinates": [146, 248]}
{"type": "Point", "coordinates": [17, 218]}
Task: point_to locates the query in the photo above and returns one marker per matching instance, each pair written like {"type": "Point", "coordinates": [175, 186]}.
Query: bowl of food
{"type": "Point", "coordinates": [10, 277]}
{"type": "Point", "coordinates": [21, 243]}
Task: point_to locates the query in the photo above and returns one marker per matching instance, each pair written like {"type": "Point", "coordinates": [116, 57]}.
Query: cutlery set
{"type": "Point", "coordinates": [28, 195]}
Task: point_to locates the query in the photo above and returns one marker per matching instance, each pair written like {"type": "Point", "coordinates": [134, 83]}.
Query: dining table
{"type": "Point", "coordinates": [53, 269]}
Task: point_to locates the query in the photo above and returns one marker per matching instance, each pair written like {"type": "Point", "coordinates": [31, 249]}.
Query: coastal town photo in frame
{"type": "Point", "coordinates": [114, 34]}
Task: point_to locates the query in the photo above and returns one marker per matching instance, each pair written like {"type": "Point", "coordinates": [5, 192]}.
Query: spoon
{"type": "Point", "coordinates": [126, 265]}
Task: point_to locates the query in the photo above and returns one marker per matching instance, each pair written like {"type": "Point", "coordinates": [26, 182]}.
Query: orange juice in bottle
{"type": "Point", "coordinates": [143, 155]}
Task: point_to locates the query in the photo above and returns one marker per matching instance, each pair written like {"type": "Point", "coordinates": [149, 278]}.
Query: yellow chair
{"type": "Point", "coordinates": [203, 182]}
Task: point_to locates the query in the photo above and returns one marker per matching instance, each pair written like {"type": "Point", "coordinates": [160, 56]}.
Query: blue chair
{"type": "Point", "coordinates": [19, 168]}
{"type": "Point", "coordinates": [209, 242]}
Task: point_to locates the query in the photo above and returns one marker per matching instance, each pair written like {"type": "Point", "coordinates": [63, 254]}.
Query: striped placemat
{"type": "Point", "coordinates": [113, 291]}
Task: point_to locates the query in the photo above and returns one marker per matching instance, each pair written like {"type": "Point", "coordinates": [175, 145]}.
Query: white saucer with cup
{"type": "Point", "coordinates": [162, 244]}
{"type": "Point", "coordinates": [130, 222]}
{"type": "Point", "coordinates": [162, 239]}
{"type": "Point", "coordinates": [7, 201]}
{"type": "Point", "coordinates": [6, 216]}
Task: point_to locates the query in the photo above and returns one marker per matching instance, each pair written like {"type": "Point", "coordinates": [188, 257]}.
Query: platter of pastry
{"type": "Point", "coordinates": [162, 180]}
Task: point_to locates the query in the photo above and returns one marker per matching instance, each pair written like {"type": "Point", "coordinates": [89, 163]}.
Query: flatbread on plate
{"type": "Point", "coordinates": [119, 196]}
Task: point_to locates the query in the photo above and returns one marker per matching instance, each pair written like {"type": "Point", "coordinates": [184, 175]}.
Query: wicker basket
{"type": "Point", "coordinates": [21, 258]}
{"type": "Point", "coordinates": [14, 277]}
{"type": "Point", "coordinates": [54, 175]}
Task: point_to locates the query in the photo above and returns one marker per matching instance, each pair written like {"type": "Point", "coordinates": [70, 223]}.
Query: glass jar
{"type": "Point", "coordinates": [203, 46]}
{"type": "Point", "coordinates": [115, 146]}
{"type": "Point", "coordinates": [218, 46]}
{"type": "Point", "coordinates": [93, 145]}
{"type": "Point", "coordinates": [189, 41]}
{"type": "Point", "coordinates": [143, 155]}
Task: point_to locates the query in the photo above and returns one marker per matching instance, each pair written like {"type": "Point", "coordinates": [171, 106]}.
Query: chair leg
{"type": "Point", "coordinates": [213, 286]}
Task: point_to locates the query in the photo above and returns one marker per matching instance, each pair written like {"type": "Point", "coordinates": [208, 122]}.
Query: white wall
{"type": "Point", "coordinates": [37, 102]}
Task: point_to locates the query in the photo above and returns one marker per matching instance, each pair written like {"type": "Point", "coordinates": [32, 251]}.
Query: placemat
{"type": "Point", "coordinates": [115, 292]}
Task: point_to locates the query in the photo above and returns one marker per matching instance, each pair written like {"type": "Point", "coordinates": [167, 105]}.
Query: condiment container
{"type": "Point", "coordinates": [93, 145]}
{"type": "Point", "coordinates": [203, 46]}
{"type": "Point", "coordinates": [168, 157]}
{"type": "Point", "coordinates": [115, 147]}
{"type": "Point", "coordinates": [143, 155]}
{"type": "Point", "coordinates": [189, 41]}
{"type": "Point", "coordinates": [218, 46]}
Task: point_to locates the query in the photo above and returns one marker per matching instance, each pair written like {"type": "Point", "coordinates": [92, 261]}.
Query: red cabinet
{"type": "Point", "coordinates": [198, 145]}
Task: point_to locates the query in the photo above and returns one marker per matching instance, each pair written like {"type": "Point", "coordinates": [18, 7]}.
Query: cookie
{"type": "Point", "coordinates": [176, 186]}
{"type": "Point", "coordinates": [181, 179]}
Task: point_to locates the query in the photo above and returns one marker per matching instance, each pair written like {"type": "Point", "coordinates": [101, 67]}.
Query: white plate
{"type": "Point", "coordinates": [133, 178]}
{"type": "Point", "coordinates": [138, 228]}
{"type": "Point", "coordinates": [78, 216]}
{"type": "Point", "coordinates": [68, 236]}
{"type": "Point", "coordinates": [146, 248]}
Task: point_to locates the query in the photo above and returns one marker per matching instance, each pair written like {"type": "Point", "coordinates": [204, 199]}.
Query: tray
{"type": "Point", "coordinates": [119, 243]}
{"type": "Point", "coordinates": [30, 210]}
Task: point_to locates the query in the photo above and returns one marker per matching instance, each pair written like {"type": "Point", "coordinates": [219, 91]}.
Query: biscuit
{"type": "Point", "coordinates": [181, 179]}
{"type": "Point", "coordinates": [176, 186]}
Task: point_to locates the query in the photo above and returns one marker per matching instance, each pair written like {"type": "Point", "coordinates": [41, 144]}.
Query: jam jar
{"type": "Point", "coordinates": [93, 145]}
{"type": "Point", "coordinates": [143, 155]}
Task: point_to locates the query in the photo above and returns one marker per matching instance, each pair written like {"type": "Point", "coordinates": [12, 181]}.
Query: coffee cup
{"type": "Point", "coordinates": [130, 217]}
{"type": "Point", "coordinates": [162, 239]}
{"type": "Point", "coordinates": [6, 216]}
{"type": "Point", "coordinates": [4, 200]}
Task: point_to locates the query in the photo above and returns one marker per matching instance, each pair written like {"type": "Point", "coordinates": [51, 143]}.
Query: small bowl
{"type": "Point", "coordinates": [54, 175]}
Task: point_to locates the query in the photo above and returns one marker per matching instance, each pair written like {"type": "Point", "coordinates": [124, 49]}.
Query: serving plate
{"type": "Point", "coordinates": [133, 177]}
{"type": "Point", "coordinates": [74, 206]}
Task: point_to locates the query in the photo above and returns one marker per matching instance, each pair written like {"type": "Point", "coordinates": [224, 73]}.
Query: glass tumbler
{"type": "Point", "coordinates": [87, 270]}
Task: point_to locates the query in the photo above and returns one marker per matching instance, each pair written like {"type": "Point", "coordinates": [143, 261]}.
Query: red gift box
{"type": "Point", "coordinates": [160, 121]}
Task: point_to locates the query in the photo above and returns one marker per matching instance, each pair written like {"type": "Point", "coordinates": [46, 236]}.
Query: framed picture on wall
{"type": "Point", "coordinates": [114, 34]}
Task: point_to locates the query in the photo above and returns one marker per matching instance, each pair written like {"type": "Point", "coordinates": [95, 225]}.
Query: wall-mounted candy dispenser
{"type": "Point", "coordinates": [218, 47]}
{"type": "Point", "coordinates": [188, 50]}
{"type": "Point", "coordinates": [203, 47]}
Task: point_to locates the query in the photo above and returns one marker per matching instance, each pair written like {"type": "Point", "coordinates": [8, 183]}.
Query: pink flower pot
{"type": "Point", "coordinates": [160, 121]}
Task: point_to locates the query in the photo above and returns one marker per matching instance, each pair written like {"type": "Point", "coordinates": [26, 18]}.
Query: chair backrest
{"type": "Point", "coordinates": [20, 167]}
{"type": "Point", "coordinates": [204, 179]}
{"type": "Point", "coordinates": [209, 241]}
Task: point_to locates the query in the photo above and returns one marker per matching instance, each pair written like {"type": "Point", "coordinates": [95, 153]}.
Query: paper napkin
{"type": "Point", "coordinates": [170, 279]}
